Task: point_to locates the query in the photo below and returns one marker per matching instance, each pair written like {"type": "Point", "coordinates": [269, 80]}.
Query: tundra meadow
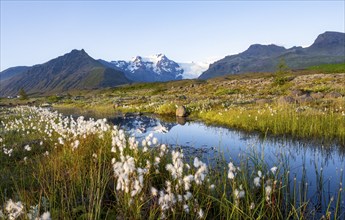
{"type": "Point", "coordinates": [55, 166]}
{"type": "Point", "coordinates": [58, 167]}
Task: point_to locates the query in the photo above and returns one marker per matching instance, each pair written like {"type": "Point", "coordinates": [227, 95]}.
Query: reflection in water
{"type": "Point", "coordinates": [319, 166]}
{"type": "Point", "coordinates": [181, 120]}
{"type": "Point", "coordinates": [313, 164]}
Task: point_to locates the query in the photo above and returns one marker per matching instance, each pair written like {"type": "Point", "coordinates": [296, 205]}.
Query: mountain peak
{"type": "Point", "coordinates": [72, 71]}
{"type": "Point", "coordinates": [75, 51]}
{"type": "Point", "coordinates": [263, 50]}
{"type": "Point", "coordinates": [76, 54]}
{"type": "Point", "coordinates": [136, 59]}
{"type": "Point", "coordinates": [329, 47]}
{"type": "Point", "coordinates": [329, 38]}
{"type": "Point", "coordinates": [160, 56]}
{"type": "Point", "coordinates": [150, 69]}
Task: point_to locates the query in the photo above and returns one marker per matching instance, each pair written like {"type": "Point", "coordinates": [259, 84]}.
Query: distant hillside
{"type": "Point", "coordinates": [13, 71]}
{"type": "Point", "coordinates": [74, 70]}
{"type": "Point", "coordinates": [329, 47]}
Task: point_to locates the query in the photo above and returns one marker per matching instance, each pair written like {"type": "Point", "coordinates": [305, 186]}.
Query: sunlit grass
{"type": "Point", "coordinates": [296, 121]}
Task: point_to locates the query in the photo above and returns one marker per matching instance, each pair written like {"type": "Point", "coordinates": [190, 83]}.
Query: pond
{"type": "Point", "coordinates": [318, 164]}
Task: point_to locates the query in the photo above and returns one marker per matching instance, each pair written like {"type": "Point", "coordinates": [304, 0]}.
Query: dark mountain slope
{"type": "Point", "coordinates": [13, 71]}
{"type": "Point", "coordinates": [329, 47]}
{"type": "Point", "coordinates": [72, 71]}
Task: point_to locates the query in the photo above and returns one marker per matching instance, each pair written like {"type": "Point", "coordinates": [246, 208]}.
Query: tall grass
{"type": "Point", "coordinates": [79, 169]}
{"type": "Point", "coordinates": [297, 121]}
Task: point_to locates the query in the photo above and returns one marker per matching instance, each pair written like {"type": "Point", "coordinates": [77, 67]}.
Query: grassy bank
{"type": "Point", "coordinates": [301, 104]}
{"type": "Point", "coordinates": [294, 121]}
{"type": "Point", "coordinates": [299, 121]}
{"type": "Point", "coordinates": [68, 168]}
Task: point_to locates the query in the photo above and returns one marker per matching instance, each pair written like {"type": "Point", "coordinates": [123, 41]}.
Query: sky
{"type": "Point", "coordinates": [33, 32]}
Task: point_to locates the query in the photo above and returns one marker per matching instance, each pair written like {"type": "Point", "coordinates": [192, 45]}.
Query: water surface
{"type": "Point", "coordinates": [315, 163]}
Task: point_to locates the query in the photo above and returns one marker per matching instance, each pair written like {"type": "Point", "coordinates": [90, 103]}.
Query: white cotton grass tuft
{"type": "Point", "coordinates": [239, 193]}
{"type": "Point", "coordinates": [274, 170]}
{"type": "Point", "coordinates": [268, 191]}
{"type": "Point", "coordinates": [154, 191]}
{"type": "Point", "coordinates": [27, 147]}
{"type": "Point", "coordinates": [45, 216]}
{"type": "Point", "coordinates": [14, 209]}
{"type": "Point", "coordinates": [232, 171]}
{"type": "Point", "coordinates": [200, 214]}
{"type": "Point", "coordinates": [257, 181]}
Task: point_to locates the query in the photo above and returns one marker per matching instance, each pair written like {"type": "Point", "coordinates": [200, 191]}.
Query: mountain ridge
{"type": "Point", "coordinates": [74, 70]}
{"type": "Point", "coordinates": [328, 47]}
{"type": "Point", "coordinates": [77, 70]}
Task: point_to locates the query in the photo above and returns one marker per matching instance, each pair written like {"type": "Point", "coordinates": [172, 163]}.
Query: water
{"type": "Point", "coordinates": [305, 160]}
{"type": "Point", "coordinates": [322, 165]}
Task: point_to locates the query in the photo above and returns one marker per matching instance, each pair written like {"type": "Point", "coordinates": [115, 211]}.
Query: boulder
{"type": "Point", "coordinates": [317, 95]}
{"type": "Point", "coordinates": [263, 101]}
{"type": "Point", "coordinates": [305, 99]}
{"type": "Point", "coordinates": [181, 120]}
{"type": "Point", "coordinates": [333, 95]}
{"type": "Point", "coordinates": [296, 93]}
{"type": "Point", "coordinates": [181, 111]}
{"type": "Point", "coordinates": [286, 100]}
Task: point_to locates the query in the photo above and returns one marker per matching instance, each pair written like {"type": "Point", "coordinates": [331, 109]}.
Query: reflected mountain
{"type": "Point", "coordinates": [141, 125]}
{"type": "Point", "coordinates": [304, 158]}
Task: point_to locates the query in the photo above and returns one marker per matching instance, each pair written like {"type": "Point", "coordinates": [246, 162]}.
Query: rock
{"type": "Point", "coordinates": [286, 100]}
{"type": "Point", "coordinates": [263, 101]}
{"type": "Point", "coordinates": [181, 111]}
{"type": "Point", "coordinates": [296, 93]}
{"type": "Point", "coordinates": [305, 99]}
{"type": "Point", "coordinates": [317, 95]}
{"type": "Point", "coordinates": [333, 95]}
{"type": "Point", "coordinates": [181, 120]}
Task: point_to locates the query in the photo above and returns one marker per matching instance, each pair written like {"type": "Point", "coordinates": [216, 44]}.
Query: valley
{"type": "Point", "coordinates": [82, 138]}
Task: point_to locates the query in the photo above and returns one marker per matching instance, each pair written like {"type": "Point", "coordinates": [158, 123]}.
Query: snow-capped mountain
{"type": "Point", "coordinates": [157, 68]}
{"type": "Point", "coordinates": [149, 69]}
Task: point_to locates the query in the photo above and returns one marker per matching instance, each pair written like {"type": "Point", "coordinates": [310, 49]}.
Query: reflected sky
{"type": "Point", "coordinates": [318, 163]}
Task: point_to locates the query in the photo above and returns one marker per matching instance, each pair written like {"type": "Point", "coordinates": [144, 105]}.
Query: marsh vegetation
{"type": "Point", "coordinates": [63, 167]}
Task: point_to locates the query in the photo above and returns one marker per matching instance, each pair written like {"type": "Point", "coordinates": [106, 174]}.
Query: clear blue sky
{"type": "Point", "coordinates": [34, 32]}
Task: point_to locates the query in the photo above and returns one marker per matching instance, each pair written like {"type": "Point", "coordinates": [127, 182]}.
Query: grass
{"type": "Point", "coordinates": [296, 121]}
{"type": "Point", "coordinates": [329, 68]}
{"type": "Point", "coordinates": [90, 170]}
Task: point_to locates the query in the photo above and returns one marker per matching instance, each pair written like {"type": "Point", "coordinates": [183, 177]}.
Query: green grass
{"type": "Point", "coordinates": [329, 68]}
{"type": "Point", "coordinates": [294, 121]}
{"type": "Point", "coordinates": [220, 92]}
